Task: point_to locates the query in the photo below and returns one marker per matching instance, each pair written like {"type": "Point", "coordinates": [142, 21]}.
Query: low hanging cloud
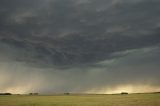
{"type": "Point", "coordinates": [79, 46]}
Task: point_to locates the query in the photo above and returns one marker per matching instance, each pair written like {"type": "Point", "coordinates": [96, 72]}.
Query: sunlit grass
{"type": "Point", "coordinates": [82, 100]}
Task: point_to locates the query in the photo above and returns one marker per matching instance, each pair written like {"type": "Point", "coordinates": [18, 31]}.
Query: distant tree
{"type": "Point", "coordinates": [67, 93]}
{"type": "Point", "coordinates": [33, 93]}
{"type": "Point", "coordinates": [124, 93]}
{"type": "Point", "coordinates": [5, 94]}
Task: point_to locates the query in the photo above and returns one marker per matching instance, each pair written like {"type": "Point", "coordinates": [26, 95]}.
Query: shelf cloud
{"type": "Point", "coordinates": [51, 46]}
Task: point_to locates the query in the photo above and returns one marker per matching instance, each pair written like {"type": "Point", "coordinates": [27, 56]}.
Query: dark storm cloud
{"type": "Point", "coordinates": [67, 32]}
{"type": "Point", "coordinates": [80, 35]}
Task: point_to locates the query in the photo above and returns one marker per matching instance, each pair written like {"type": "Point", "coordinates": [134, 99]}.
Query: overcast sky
{"type": "Point", "coordinates": [84, 46]}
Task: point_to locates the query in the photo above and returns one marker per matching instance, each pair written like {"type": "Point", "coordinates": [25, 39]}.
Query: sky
{"type": "Point", "coordinates": [79, 46]}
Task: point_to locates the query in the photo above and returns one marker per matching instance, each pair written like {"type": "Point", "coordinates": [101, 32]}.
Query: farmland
{"type": "Point", "coordinates": [82, 100]}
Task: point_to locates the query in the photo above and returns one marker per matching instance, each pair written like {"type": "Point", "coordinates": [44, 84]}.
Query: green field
{"type": "Point", "coordinates": [82, 100]}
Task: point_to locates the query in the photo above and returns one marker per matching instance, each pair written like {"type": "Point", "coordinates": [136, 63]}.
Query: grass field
{"type": "Point", "coordinates": [82, 100]}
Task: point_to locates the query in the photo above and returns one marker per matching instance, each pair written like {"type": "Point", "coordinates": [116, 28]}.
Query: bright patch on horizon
{"type": "Point", "coordinates": [126, 88]}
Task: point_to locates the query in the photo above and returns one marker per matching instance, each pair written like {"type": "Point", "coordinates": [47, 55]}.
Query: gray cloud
{"type": "Point", "coordinates": [87, 42]}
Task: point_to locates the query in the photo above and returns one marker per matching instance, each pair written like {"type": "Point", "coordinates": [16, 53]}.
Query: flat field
{"type": "Point", "coordinates": [82, 100]}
